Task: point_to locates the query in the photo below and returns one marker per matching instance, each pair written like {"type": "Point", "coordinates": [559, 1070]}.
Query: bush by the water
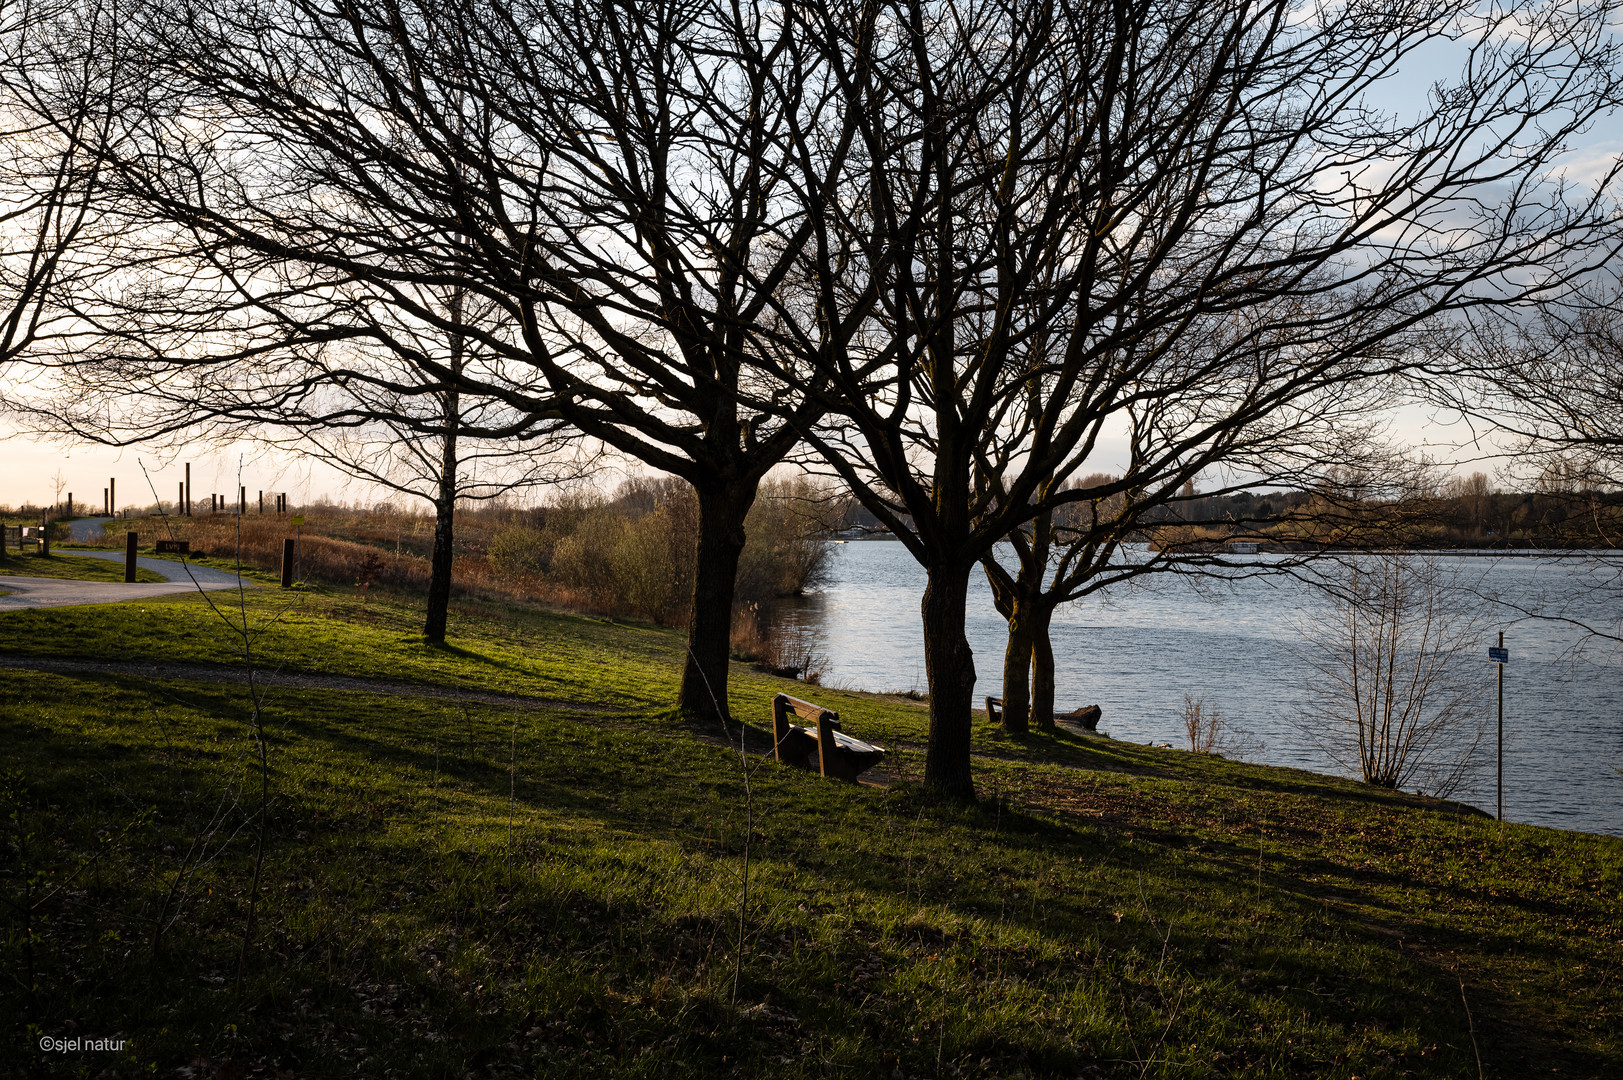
{"type": "Point", "coordinates": [633, 554]}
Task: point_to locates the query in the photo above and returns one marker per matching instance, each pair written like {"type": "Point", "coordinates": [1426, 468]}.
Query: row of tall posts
{"type": "Point", "coordinates": [184, 503]}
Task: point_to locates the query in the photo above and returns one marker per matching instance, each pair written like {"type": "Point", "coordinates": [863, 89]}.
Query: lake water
{"type": "Point", "coordinates": [1139, 649]}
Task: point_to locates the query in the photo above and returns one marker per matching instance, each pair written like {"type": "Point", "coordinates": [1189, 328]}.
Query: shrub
{"type": "Point", "coordinates": [1397, 684]}
{"type": "Point", "coordinates": [786, 549]}
{"type": "Point", "coordinates": [518, 551]}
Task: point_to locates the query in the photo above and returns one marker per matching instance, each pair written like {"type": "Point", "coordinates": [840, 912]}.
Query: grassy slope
{"type": "Point", "coordinates": [449, 889]}
{"type": "Point", "coordinates": [57, 565]}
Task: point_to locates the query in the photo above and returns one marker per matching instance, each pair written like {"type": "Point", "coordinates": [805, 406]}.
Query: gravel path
{"type": "Point", "coordinates": [84, 530]}
{"type": "Point", "coordinates": [221, 673]}
{"type": "Point", "coordinates": [32, 592]}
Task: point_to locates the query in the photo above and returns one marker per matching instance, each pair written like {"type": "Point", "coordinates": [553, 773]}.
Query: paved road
{"type": "Point", "coordinates": [30, 592]}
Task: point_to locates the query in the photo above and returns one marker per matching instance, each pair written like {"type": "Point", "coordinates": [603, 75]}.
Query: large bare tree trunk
{"type": "Point", "coordinates": [439, 567]}
{"type": "Point", "coordinates": [439, 577]}
{"type": "Point", "coordinates": [722, 509]}
{"type": "Point", "coordinates": [950, 666]}
{"type": "Point", "coordinates": [1017, 669]}
{"type": "Point", "coordinates": [1042, 667]}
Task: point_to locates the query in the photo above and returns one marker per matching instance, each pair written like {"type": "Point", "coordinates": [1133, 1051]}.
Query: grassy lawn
{"type": "Point", "coordinates": [454, 891]}
{"type": "Point", "coordinates": [61, 565]}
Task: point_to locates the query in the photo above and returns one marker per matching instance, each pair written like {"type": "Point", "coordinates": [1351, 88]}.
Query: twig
{"type": "Point", "coordinates": [1470, 1024]}
{"type": "Point", "coordinates": [512, 795]}
{"type": "Point", "coordinates": [749, 822]}
{"type": "Point", "coordinates": [244, 645]}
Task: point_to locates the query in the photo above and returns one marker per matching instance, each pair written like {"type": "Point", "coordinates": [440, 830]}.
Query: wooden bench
{"type": "Point", "coordinates": [822, 747]}
{"type": "Point", "coordinates": [25, 533]}
{"type": "Point", "coordinates": [1087, 717]}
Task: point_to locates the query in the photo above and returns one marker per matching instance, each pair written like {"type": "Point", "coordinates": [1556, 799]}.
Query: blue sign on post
{"type": "Point", "coordinates": [1498, 656]}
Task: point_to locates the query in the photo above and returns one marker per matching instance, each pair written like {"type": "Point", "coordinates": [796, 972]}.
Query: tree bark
{"type": "Point", "coordinates": [950, 666]}
{"type": "Point", "coordinates": [722, 509]}
{"type": "Point", "coordinates": [1017, 670]}
{"type": "Point", "coordinates": [1042, 667]}
{"type": "Point", "coordinates": [439, 574]}
{"type": "Point", "coordinates": [439, 579]}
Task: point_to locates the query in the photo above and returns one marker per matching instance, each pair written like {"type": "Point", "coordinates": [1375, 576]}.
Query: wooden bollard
{"type": "Point", "coordinates": [130, 540]}
{"type": "Point", "coordinates": [831, 763]}
{"type": "Point", "coordinates": [287, 563]}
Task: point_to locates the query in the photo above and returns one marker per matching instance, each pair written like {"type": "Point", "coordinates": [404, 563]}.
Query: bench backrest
{"type": "Point", "coordinates": [784, 705]}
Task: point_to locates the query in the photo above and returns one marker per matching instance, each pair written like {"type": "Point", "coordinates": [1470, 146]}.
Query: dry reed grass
{"type": "Point", "coordinates": [629, 556]}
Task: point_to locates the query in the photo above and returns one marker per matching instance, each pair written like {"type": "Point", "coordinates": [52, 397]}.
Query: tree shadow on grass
{"type": "Point", "coordinates": [623, 782]}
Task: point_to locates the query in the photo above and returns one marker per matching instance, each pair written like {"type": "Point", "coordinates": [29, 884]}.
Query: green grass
{"type": "Point", "coordinates": [75, 567]}
{"type": "Point", "coordinates": [451, 891]}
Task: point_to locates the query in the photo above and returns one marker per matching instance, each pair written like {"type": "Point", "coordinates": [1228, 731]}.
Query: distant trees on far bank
{"type": "Point", "coordinates": [1460, 512]}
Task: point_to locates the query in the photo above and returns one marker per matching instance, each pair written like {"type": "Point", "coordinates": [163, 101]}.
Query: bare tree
{"type": "Point", "coordinates": [437, 442]}
{"type": "Point", "coordinates": [1185, 222]}
{"type": "Point", "coordinates": [1551, 383]}
{"type": "Point", "coordinates": [47, 177]}
{"type": "Point", "coordinates": [373, 406]}
{"type": "Point", "coordinates": [615, 180]}
{"type": "Point", "coordinates": [1546, 388]}
{"type": "Point", "coordinates": [1397, 695]}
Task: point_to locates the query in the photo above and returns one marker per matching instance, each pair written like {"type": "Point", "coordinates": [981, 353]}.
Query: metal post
{"type": "Point", "coordinates": [112, 495]}
{"type": "Point", "coordinates": [180, 501]}
{"type": "Point", "coordinates": [129, 556]}
{"type": "Point", "coordinates": [1500, 801]}
{"type": "Point", "coordinates": [187, 497]}
{"type": "Point", "coordinates": [105, 503]}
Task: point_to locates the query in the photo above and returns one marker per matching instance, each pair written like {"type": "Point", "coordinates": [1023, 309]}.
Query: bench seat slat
{"type": "Point", "coordinates": [845, 742]}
